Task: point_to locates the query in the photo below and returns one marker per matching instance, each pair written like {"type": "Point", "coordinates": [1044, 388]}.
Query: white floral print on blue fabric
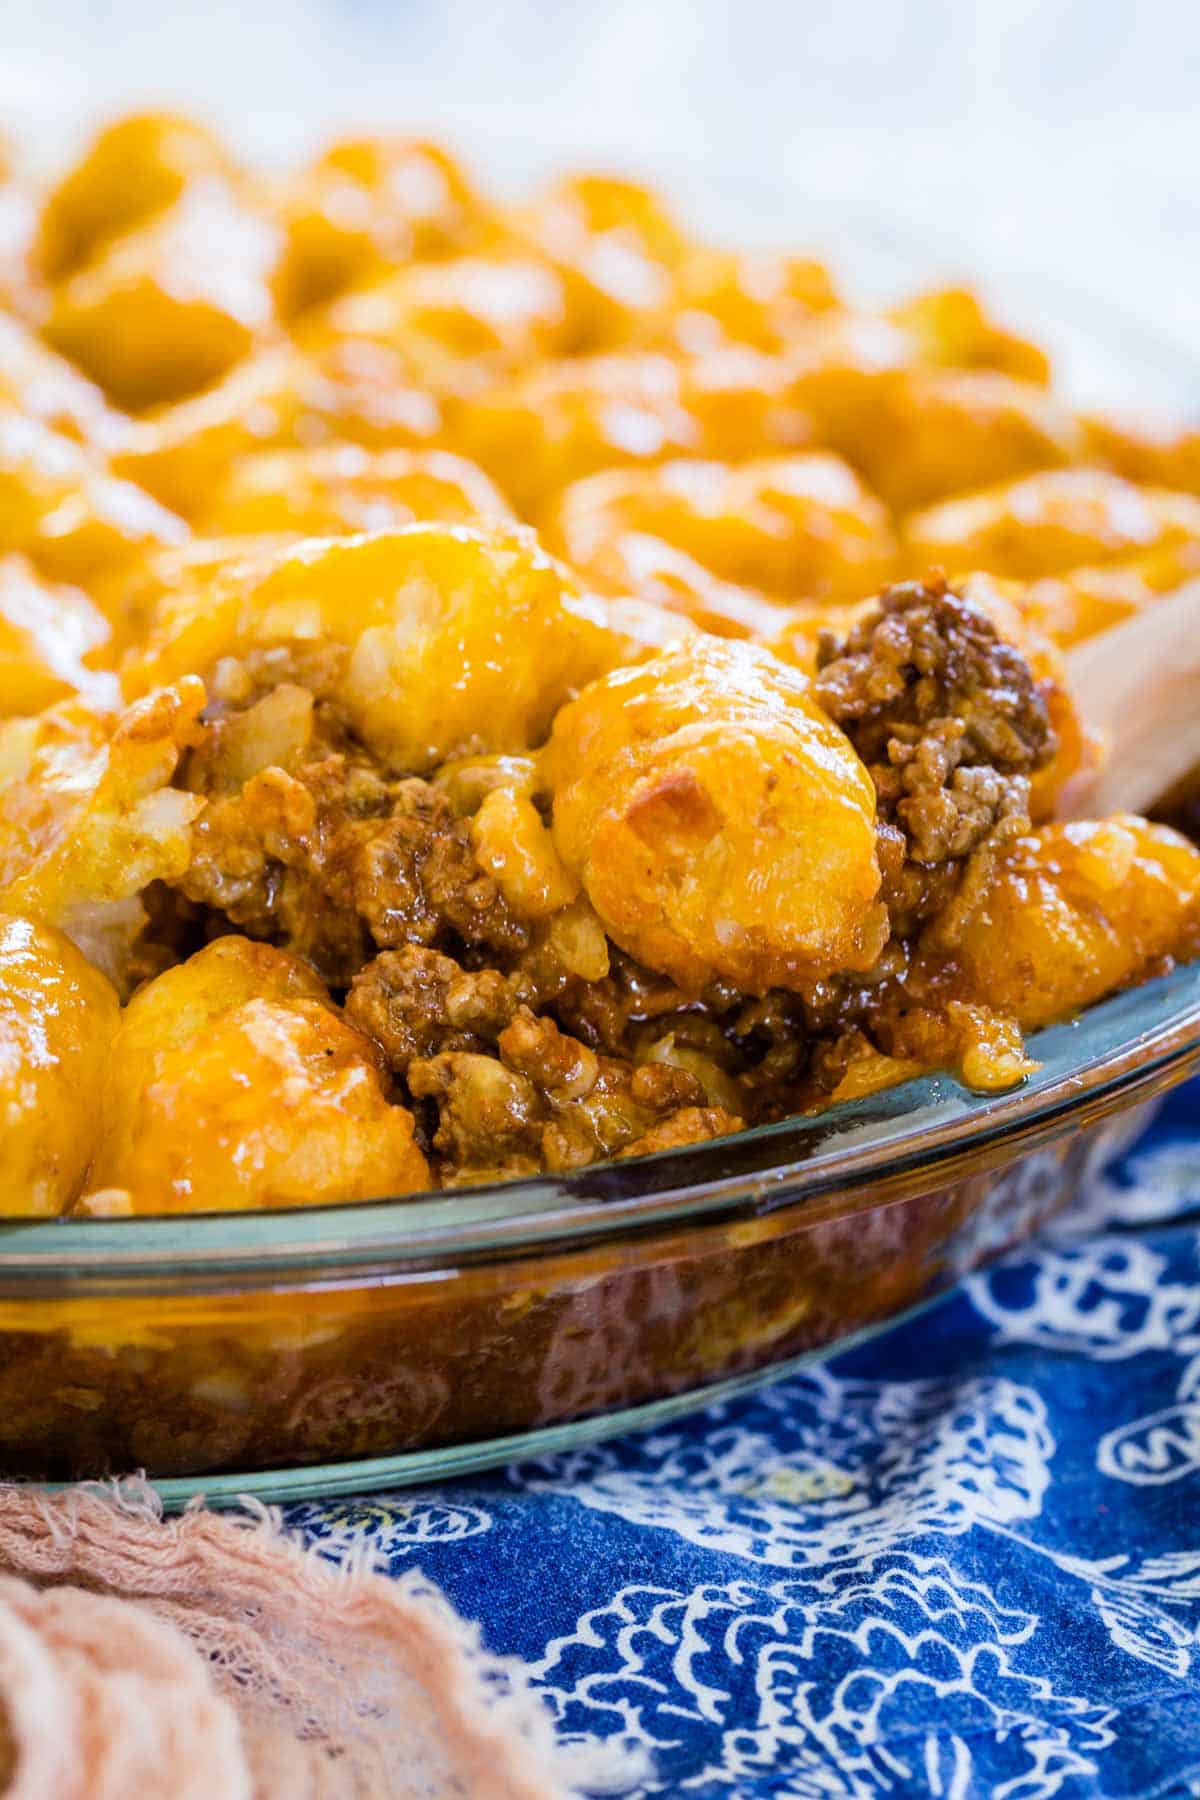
{"type": "Point", "coordinates": [960, 1561]}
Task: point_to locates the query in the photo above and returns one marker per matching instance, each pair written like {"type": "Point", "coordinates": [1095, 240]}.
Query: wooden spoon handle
{"type": "Point", "coordinates": [1138, 687]}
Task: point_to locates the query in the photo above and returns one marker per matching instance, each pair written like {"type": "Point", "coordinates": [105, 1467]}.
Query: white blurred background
{"type": "Point", "coordinates": [1052, 145]}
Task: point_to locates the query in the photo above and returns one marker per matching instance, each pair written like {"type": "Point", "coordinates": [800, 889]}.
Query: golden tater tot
{"type": "Point", "coordinates": [1048, 524]}
{"type": "Point", "coordinates": [742, 297]}
{"type": "Point", "coordinates": [1085, 602]}
{"type": "Point", "coordinates": [235, 1083]}
{"type": "Point", "coordinates": [447, 638]}
{"type": "Point", "coordinates": [46, 635]}
{"type": "Point", "coordinates": [1060, 918]}
{"type": "Point", "coordinates": [171, 306]}
{"type": "Point", "coordinates": [350, 390]}
{"type": "Point", "coordinates": [560, 421]}
{"type": "Point", "coordinates": [134, 168]}
{"type": "Point", "coordinates": [1162, 455]}
{"type": "Point", "coordinates": [794, 527]}
{"type": "Point", "coordinates": [364, 204]}
{"type": "Point", "coordinates": [87, 818]}
{"type": "Point", "coordinates": [946, 431]}
{"type": "Point", "coordinates": [58, 1016]}
{"type": "Point", "coordinates": [668, 578]}
{"type": "Point", "coordinates": [460, 323]}
{"type": "Point", "coordinates": [864, 378]}
{"type": "Point", "coordinates": [616, 247]}
{"type": "Point", "coordinates": [844, 373]}
{"type": "Point", "coordinates": [60, 507]}
{"type": "Point", "coordinates": [343, 488]}
{"type": "Point", "coordinates": [722, 827]}
{"type": "Point", "coordinates": [177, 1005]}
{"type": "Point", "coordinates": [580, 208]}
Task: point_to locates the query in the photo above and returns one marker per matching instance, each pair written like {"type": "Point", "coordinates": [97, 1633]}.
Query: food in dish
{"type": "Point", "coordinates": [489, 688]}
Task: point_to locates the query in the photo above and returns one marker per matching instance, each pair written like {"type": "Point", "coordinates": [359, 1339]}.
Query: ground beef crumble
{"type": "Point", "coordinates": [951, 724]}
{"type": "Point", "coordinates": [417, 1003]}
{"type": "Point", "coordinates": [414, 879]}
{"type": "Point", "coordinates": [546, 1101]}
{"type": "Point", "coordinates": [690, 1125]}
{"type": "Point", "coordinates": [331, 861]}
{"type": "Point", "coordinates": [561, 1066]}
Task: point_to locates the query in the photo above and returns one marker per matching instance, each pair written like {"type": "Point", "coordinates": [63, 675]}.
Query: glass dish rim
{"type": "Point", "coordinates": [1140, 1039]}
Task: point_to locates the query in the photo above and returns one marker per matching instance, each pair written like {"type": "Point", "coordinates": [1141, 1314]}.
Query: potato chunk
{"type": "Point", "coordinates": [347, 390]}
{"type": "Point", "coordinates": [1158, 452]}
{"type": "Point", "coordinates": [236, 1083]}
{"type": "Point", "coordinates": [1070, 913]}
{"type": "Point", "coordinates": [57, 1019]}
{"type": "Point", "coordinates": [615, 246]}
{"type": "Point", "coordinates": [722, 827]}
{"type": "Point", "coordinates": [460, 323]}
{"type": "Point", "coordinates": [343, 488]}
{"type": "Point", "coordinates": [133, 169]}
{"type": "Point", "coordinates": [46, 633]}
{"type": "Point", "coordinates": [447, 639]}
{"type": "Point", "coordinates": [364, 204]}
{"type": "Point", "coordinates": [560, 421]}
{"type": "Point", "coordinates": [1080, 605]}
{"type": "Point", "coordinates": [743, 297]}
{"type": "Point", "coordinates": [797, 527]}
{"type": "Point", "coordinates": [844, 371]}
{"type": "Point", "coordinates": [946, 431]}
{"type": "Point", "coordinates": [676, 583]}
{"type": "Point", "coordinates": [173, 305]}
{"type": "Point", "coordinates": [87, 818]}
{"type": "Point", "coordinates": [1050, 523]}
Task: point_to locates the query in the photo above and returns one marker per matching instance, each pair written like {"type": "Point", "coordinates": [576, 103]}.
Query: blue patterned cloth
{"type": "Point", "coordinates": [962, 1561]}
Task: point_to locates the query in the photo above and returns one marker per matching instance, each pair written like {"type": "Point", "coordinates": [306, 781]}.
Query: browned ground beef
{"type": "Point", "coordinates": [415, 880]}
{"type": "Point", "coordinates": [945, 714]}
{"type": "Point", "coordinates": [512, 1062]}
{"type": "Point", "coordinates": [951, 725]}
{"type": "Point", "coordinates": [561, 1066]}
{"type": "Point", "coordinates": [330, 861]}
{"type": "Point", "coordinates": [546, 1101]}
{"type": "Point", "coordinates": [417, 1002]}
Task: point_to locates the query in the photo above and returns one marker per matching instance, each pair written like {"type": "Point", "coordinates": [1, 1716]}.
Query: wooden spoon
{"type": "Point", "coordinates": [1138, 687]}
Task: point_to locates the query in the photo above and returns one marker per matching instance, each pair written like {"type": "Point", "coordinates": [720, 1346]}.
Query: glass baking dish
{"type": "Point", "coordinates": [340, 1349]}
{"type": "Point", "coordinates": [336, 1348]}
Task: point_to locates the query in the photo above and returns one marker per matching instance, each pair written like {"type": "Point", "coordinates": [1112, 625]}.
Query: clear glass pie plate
{"type": "Point", "coordinates": [334, 1348]}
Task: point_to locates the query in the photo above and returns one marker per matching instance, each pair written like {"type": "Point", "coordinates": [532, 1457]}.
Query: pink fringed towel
{"type": "Point", "coordinates": [211, 1658]}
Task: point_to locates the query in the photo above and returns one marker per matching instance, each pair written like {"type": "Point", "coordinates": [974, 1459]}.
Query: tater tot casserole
{"type": "Point", "coordinates": [490, 688]}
